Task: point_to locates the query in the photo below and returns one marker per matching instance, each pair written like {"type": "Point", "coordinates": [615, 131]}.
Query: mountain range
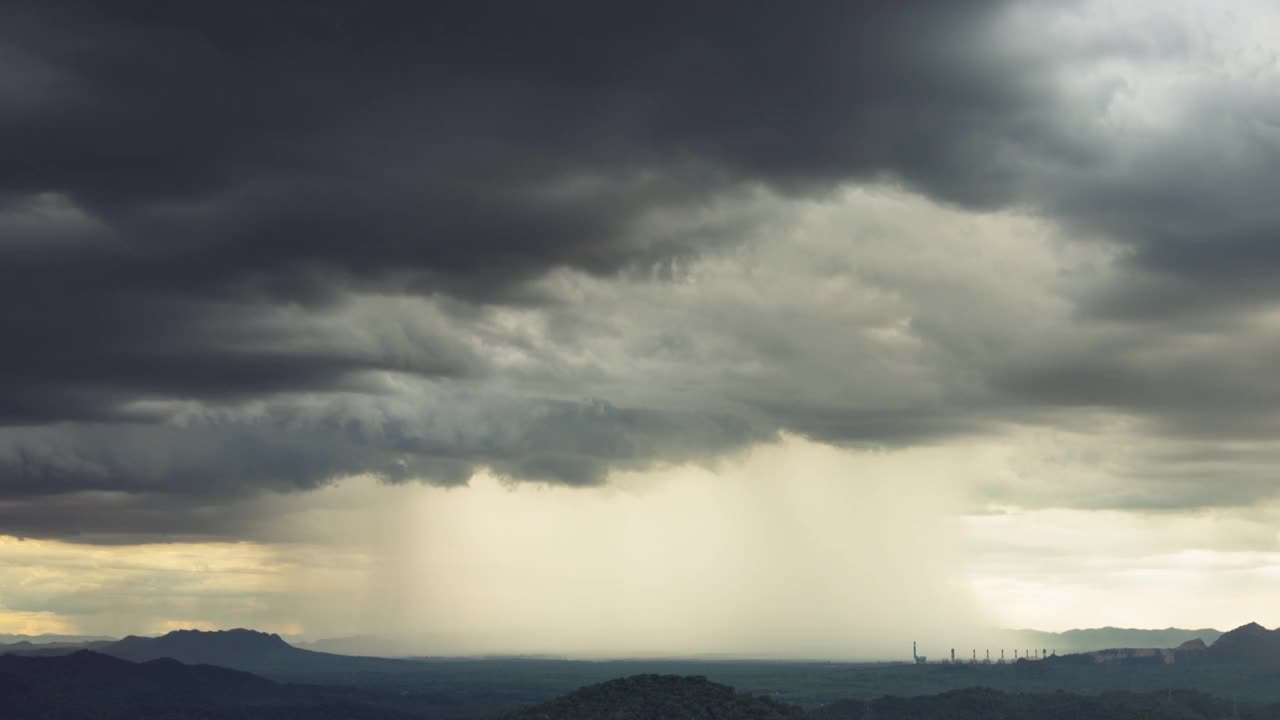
{"type": "Point", "coordinates": [1086, 640]}
{"type": "Point", "coordinates": [1070, 641]}
{"type": "Point", "coordinates": [261, 652]}
{"type": "Point", "coordinates": [1248, 645]}
{"type": "Point", "coordinates": [176, 676]}
{"type": "Point", "coordinates": [240, 649]}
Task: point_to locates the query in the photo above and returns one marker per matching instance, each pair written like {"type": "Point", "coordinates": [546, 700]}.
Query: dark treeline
{"type": "Point", "coordinates": [90, 686]}
{"type": "Point", "coordinates": [987, 704]}
{"type": "Point", "coordinates": [660, 696]}
{"type": "Point", "coordinates": [694, 698]}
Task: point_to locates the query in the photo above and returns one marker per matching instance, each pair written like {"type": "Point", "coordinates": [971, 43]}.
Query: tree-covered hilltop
{"type": "Point", "coordinates": [987, 704]}
{"type": "Point", "coordinates": [671, 697]}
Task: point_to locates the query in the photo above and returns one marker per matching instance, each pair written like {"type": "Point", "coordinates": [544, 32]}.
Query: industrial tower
{"type": "Point", "coordinates": [920, 659]}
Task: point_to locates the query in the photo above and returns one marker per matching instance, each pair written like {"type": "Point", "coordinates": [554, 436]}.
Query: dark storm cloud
{"type": "Point", "coordinates": [173, 172]}
{"type": "Point", "coordinates": [298, 447]}
{"type": "Point", "coordinates": [464, 147]}
{"type": "Point", "coordinates": [1195, 209]}
{"type": "Point", "coordinates": [101, 482]}
{"type": "Point", "coordinates": [193, 196]}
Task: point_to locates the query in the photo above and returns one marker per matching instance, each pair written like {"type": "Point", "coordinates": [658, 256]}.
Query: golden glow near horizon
{"type": "Point", "coordinates": [150, 588]}
{"type": "Point", "coordinates": [792, 550]}
{"type": "Point", "coordinates": [34, 623]}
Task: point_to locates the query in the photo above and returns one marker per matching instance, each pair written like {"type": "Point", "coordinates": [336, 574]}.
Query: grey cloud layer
{"type": "Point", "coordinates": [206, 216]}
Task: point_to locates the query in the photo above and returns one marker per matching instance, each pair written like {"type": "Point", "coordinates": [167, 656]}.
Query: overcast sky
{"type": "Point", "coordinates": [774, 328]}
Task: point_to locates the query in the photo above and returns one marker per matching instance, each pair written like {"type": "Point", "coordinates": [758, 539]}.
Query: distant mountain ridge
{"type": "Point", "coordinates": [1106, 638]}
{"type": "Point", "coordinates": [1069, 641]}
{"type": "Point", "coordinates": [368, 646]}
{"type": "Point", "coordinates": [239, 649]}
{"type": "Point", "coordinates": [269, 654]}
{"type": "Point", "coordinates": [1249, 644]}
{"type": "Point", "coordinates": [248, 650]}
{"type": "Point", "coordinates": [50, 638]}
{"type": "Point", "coordinates": [227, 648]}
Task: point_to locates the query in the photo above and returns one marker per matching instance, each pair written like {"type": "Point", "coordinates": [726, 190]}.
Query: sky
{"type": "Point", "coordinates": [772, 329]}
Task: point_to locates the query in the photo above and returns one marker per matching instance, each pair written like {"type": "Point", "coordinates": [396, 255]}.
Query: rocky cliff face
{"type": "Point", "coordinates": [1165, 656]}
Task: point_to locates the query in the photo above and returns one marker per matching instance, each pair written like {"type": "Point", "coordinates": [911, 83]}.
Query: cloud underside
{"type": "Point", "coordinates": [254, 248]}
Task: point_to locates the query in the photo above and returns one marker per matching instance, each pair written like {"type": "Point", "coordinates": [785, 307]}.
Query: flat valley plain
{"type": "Point", "coordinates": [474, 687]}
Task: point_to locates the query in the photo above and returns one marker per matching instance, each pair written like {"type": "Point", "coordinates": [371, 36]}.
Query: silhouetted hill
{"type": "Point", "coordinates": [89, 673]}
{"type": "Point", "coordinates": [671, 697]}
{"type": "Point", "coordinates": [248, 650]}
{"type": "Point", "coordinates": [1252, 644]}
{"type": "Point", "coordinates": [224, 647]}
{"type": "Point", "coordinates": [86, 685]}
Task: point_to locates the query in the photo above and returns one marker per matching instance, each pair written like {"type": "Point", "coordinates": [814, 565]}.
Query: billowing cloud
{"type": "Point", "coordinates": [248, 249]}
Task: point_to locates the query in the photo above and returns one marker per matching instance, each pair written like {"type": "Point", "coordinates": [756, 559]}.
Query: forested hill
{"type": "Point", "coordinates": [1248, 644]}
{"type": "Point", "coordinates": [91, 686]}
{"type": "Point", "coordinates": [671, 697]}
{"type": "Point", "coordinates": [986, 704]}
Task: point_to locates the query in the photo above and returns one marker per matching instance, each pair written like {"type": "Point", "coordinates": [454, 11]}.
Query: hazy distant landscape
{"type": "Point", "coordinates": [1071, 641]}
{"type": "Point", "coordinates": [212, 670]}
